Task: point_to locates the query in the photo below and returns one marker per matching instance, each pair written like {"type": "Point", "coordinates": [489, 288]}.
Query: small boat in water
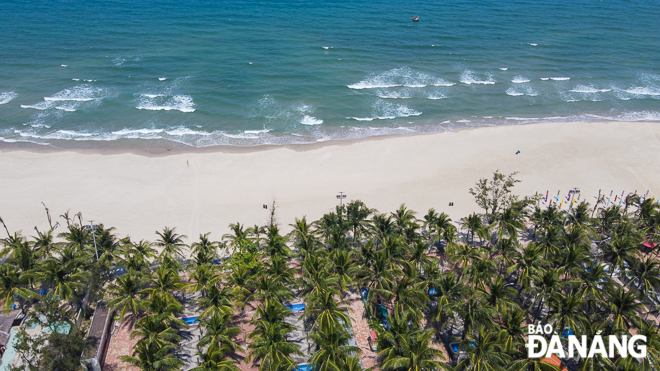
{"type": "Point", "coordinates": [416, 18]}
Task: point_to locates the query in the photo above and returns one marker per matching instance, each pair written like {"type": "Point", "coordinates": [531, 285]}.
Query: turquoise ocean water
{"type": "Point", "coordinates": [203, 73]}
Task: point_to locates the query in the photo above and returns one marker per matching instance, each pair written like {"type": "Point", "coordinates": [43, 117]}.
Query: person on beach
{"type": "Point", "coordinates": [518, 152]}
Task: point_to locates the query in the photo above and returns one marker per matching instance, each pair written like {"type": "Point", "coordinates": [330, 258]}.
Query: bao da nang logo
{"type": "Point", "coordinates": [538, 345]}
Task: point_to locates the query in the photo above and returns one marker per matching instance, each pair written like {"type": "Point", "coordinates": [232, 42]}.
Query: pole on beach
{"type": "Point", "coordinates": [341, 196]}
{"type": "Point", "coordinates": [92, 227]}
{"type": "Point", "coordinates": [573, 191]}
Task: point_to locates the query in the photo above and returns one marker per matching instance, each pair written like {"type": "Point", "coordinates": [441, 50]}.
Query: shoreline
{"type": "Point", "coordinates": [120, 146]}
{"type": "Point", "coordinates": [205, 190]}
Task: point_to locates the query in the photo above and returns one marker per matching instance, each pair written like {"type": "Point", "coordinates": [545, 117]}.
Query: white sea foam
{"type": "Point", "coordinates": [403, 76]}
{"type": "Point", "coordinates": [503, 68]}
{"type": "Point", "coordinates": [74, 79]}
{"type": "Point", "coordinates": [326, 47]}
{"type": "Point", "coordinates": [588, 89]}
{"type": "Point", "coordinates": [309, 120]}
{"type": "Point", "coordinates": [520, 80]}
{"type": "Point", "coordinates": [181, 131]}
{"type": "Point", "coordinates": [468, 77]}
{"type": "Point", "coordinates": [522, 118]}
{"type": "Point", "coordinates": [131, 132]}
{"type": "Point", "coordinates": [384, 110]}
{"type": "Point", "coordinates": [436, 96]}
{"type": "Point", "coordinates": [65, 65]}
{"type": "Point", "coordinates": [162, 78]}
{"type": "Point", "coordinates": [118, 61]}
{"type": "Point", "coordinates": [160, 102]}
{"type": "Point", "coordinates": [512, 92]}
{"type": "Point", "coordinates": [441, 82]}
{"type": "Point", "coordinates": [38, 106]}
{"type": "Point", "coordinates": [643, 90]}
{"type": "Point", "coordinates": [533, 44]}
{"type": "Point", "coordinates": [560, 78]}
{"type": "Point", "coordinates": [6, 97]}
{"type": "Point", "coordinates": [240, 136]}
{"type": "Point", "coordinates": [263, 131]}
{"type": "Point", "coordinates": [78, 93]}
{"type": "Point", "coordinates": [74, 133]}
{"type": "Point", "coordinates": [545, 78]}
{"type": "Point", "coordinates": [393, 94]}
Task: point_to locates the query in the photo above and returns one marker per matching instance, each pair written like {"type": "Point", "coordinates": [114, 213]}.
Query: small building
{"type": "Point", "coordinates": [555, 361]}
{"type": "Point", "coordinates": [98, 333]}
{"type": "Point", "coordinates": [7, 321]}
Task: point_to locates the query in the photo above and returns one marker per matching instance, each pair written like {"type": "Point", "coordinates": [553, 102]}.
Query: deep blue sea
{"type": "Point", "coordinates": [205, 73]}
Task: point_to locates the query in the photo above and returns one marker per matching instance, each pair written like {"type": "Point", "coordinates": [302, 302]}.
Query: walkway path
{"type": "Point", "coordinates": [120, 344]}
{"type": "Point", "coordinates": [361, 330]}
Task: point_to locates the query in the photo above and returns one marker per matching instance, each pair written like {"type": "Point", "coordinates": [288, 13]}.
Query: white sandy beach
{"type": "Point", "coordinates": [139, 194]}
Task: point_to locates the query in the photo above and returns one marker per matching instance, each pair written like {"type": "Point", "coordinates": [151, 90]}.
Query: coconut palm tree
{"type": "Point", "coordinates": [276, 243]}
{"type": "Point", "coordinates": [510, 221]}
{"type": "Point", "coordinates": [304, 238]}
{"type": "Point", "coordinates": [334, 352]}
{"type": "Point", "coordinates": [513, 331]}
{"type": "Point", "coordinates": [165, 281]}
{"type": "Point", "coordinates": [474, 313]}
{"type": "Point", "coordinates": [44, 242]}
{"type": "Point", "coordinates": [621, 250]}
{"type": "Point", "coordinates": [645, 275]}
{"type": "Point", "coordinates": [277, 268]}
{"type": "Point", "coordinates": [484, 352]}
{"type": "Point", "coordinates": [464, 256]}
{"type": "Point", "coordinates": [566, 313]}
{"type": "Point", "coordinates": [217, 333]}
{"type": "Point", "coordinates": [214, 360]}
{"type": "Point", "coordinates": [65, 281]}
{"type": "Point", "coordinates": [499, 295]}
{"type": "Point", "coordinates": [12, 287]}
{"type": "Point", "coordinates": [378, 279]}
{"type": "Point", "coordinates": [546, 284]}
{"type": "Point", "coordinates": [532, 364]}
{"type": "Point", "coordinates": [449, 292]}
{"type": "Point", "coordinates": [171, 243]}
{"type": "Point", "coordinates": [594, 283]}
{"type": "Point", "coordinates": [620, 312]}
{"type": "Point", "coordinates": [344, 268]}
{"type": "Point", "coordinates": [201, 277]}
{"type": "Point", "coordinates": [141, 247]}
{"type": "Point", "coordinates": [529, 265]}
{"type": "Point", "coordinates": [356, 217]}
{"type": "Point", "coordinates": [403, 217]}
{"type": "Point", "coordinates": [153, 358]}
{"type": "Point", "coordinates": [270, 349]}
{"type": "Point", "coordinates": [652, 341]}
{"type": "Point", "coordinates": [216, 301]}
{"type": "Point", "coordinates": [77, 236]}
{"type": "Point", "coordinates": [324, 308]}
{"type": "Point", "coordinates": [267, 287]}
{"type": "Point", "coordinates": [415, 354]}
{"type": "Point", "coordinates": [238, 236]}
{"type": "Point", "coordinates": [126, 293]}
{"type": "Point", "coordinates": [473, 224]}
